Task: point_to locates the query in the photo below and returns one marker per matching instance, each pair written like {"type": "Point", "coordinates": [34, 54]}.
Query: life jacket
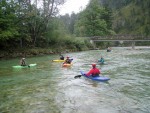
{"type": "Point", "coordinates": [68, 61]}
{"type": "Point", "coordinates": [95, 72]}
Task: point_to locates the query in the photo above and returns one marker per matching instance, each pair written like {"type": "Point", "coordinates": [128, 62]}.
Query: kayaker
{"type": "Point", "coordinates": [67, 61]}
{"type": "Point", "coordinates": [94, 71]}
{"type": "Point", "coordinates": [61, 57]}
{"type": "Point", "coordinates": [101, 60]}
{"type": "Point", "coordinates": [22, 62]}
{"type": "Point", "coordinates": [108, 49]}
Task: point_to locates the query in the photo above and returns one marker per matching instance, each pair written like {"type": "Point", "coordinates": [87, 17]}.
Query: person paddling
{"type": "Point", "coordinates": [101, 60]}
{"type": "Point", "coordinates": [67, 61]}
{"type": "Point", "coordinates": [23, 62]}
{"type": "Point", "coordinates": [94, 72]}
{"type": "Point", "coordinates": [61, 57]}
{"type": "Point", "coordinates": [108, 49]}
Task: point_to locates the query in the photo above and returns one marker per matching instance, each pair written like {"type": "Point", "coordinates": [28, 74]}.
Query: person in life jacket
{"type": "Point", "coordinates": [22, 62]}
{"type": "Point", "coordinates": [101, 60]}
{"type": "Point", "coordinates": [94, 71]}
{"type": "Point", "coordinates": [61, 57]}
{"type": "Point", "coordinates": [108, 49]}
{"type": "Point", "coordinates": [67, 61]}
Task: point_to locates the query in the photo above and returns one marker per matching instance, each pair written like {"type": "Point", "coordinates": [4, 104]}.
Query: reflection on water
{"type": "Point", "coordinates": [51, 88]}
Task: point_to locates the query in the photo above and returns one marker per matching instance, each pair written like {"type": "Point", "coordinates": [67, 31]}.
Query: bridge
{"type": "Point", "coordinates": [121, 38]}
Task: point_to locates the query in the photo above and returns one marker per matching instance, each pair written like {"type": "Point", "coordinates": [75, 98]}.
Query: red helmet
{"type": "Point", "coordinates": [67, 57]}
{"type": "Point", "coordinates": [93, 65]}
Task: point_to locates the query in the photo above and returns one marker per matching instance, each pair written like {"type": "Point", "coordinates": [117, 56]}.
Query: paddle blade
{"type": "Point", "coordinates": [77, 76]}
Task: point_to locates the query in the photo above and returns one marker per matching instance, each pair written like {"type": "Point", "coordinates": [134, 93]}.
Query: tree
{"type": "Point", "coordinates": [133, 18]}
{"type": "Point", "coordinates": [73, 19]}
{"type": "Point", "coordinates": [94, 20]}
{"type": "Point", "coordinates": [42, 17]}
{"type": "Point", "coordinates": [24, 22]}
{"type": "Point", "coordinates": [66, 20]}
{"type": "Point", "coordinates": [8, 28]}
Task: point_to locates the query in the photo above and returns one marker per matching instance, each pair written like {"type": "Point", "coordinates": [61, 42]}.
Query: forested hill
{"type": "Point", "coordinates": [130, 16]}
{"type": "Point", "coordinates": [23, 25]}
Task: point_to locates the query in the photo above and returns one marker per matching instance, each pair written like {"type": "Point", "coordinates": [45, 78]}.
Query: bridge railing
{"type": "Point", "coordinates": [121, 37]}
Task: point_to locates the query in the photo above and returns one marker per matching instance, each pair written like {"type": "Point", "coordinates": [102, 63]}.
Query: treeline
{"type": "Point", "coordinates": [131, 16]}
{"type": "Point", "coordinates": [108, 17]}
{"type": "Point", "coordinates": [104, 17]}
{"type": "Point", "coordinates": [95, 20]}
{"type": "Point", "coordinates": [24, 25]}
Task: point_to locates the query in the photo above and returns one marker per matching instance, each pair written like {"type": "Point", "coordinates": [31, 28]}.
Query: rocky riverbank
{"type": "Point", "coordinates": [33, 52]}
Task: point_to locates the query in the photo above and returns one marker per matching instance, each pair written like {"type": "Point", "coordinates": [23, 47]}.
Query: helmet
{"type": "Point", "coordinates": [93, 65]}
{"type": "Point", "coordinates": [67, 57]}
{"type": "Point", "coordinates": [23, 58]}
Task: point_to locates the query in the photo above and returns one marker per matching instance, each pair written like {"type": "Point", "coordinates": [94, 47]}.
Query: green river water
{"type": "Point", "coordinates": [51, 88]}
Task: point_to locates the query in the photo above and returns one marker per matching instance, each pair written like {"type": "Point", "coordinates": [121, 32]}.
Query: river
{"type": "Point", "coordinates": [51, 88]}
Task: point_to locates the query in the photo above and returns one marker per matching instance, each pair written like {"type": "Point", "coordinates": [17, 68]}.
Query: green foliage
{"type": "Point", "coordinates": [69, 22]}
{"type": "Point", "coordinates": [66, 21]}
{"type": "Point", "coordinates": [115, 4]}
{"type": "Point", "coordinates": [56, 32]}
{"type": "Point", "coordinates": [95, 20]}
{"type": "Point", "coordinates": [73, 18]}
{"type": "Point", "coordinates": [25, 23]}
{"type": "Point", "coordinates": [8, 28]}
{"type": "Point", "coordinates": [131, 16]}
{"type": "Point", "coordinates": [57, 37]}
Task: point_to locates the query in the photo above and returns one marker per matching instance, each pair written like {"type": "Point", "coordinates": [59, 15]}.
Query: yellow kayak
{"type": "Point", "coordinates": [58, 60]}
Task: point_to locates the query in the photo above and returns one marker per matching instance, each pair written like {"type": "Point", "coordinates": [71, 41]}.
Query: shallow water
{"type": "Point", "coordinates": [50, 88]}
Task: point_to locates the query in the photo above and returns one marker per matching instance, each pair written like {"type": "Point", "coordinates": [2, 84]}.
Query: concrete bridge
{"type": "Point", "coordinates": [120, 38]}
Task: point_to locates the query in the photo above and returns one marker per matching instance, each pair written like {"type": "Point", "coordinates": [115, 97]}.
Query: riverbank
{"type": "Point", "coordinates": [13, 53]}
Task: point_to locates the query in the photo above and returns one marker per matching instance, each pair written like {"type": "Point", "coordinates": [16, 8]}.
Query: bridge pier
{"type": "Point", "coordinates": [133, 45]}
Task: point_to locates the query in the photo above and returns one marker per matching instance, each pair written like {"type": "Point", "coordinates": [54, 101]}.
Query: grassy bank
{"type": "Point", "coordinates": [63, 46]}
{"type": "Point", "coordinates": [27, 52]}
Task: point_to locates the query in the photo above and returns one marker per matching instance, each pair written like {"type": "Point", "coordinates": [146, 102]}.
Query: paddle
{"type": "Point", "coordinates": [77, 76]}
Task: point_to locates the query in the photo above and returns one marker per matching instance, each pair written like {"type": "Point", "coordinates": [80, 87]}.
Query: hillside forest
{"type": "Point", "coordinates": [26, 27]}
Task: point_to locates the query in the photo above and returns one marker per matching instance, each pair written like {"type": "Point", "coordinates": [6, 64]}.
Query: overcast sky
{"type": "Point", "coordinates": [73, 5]}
